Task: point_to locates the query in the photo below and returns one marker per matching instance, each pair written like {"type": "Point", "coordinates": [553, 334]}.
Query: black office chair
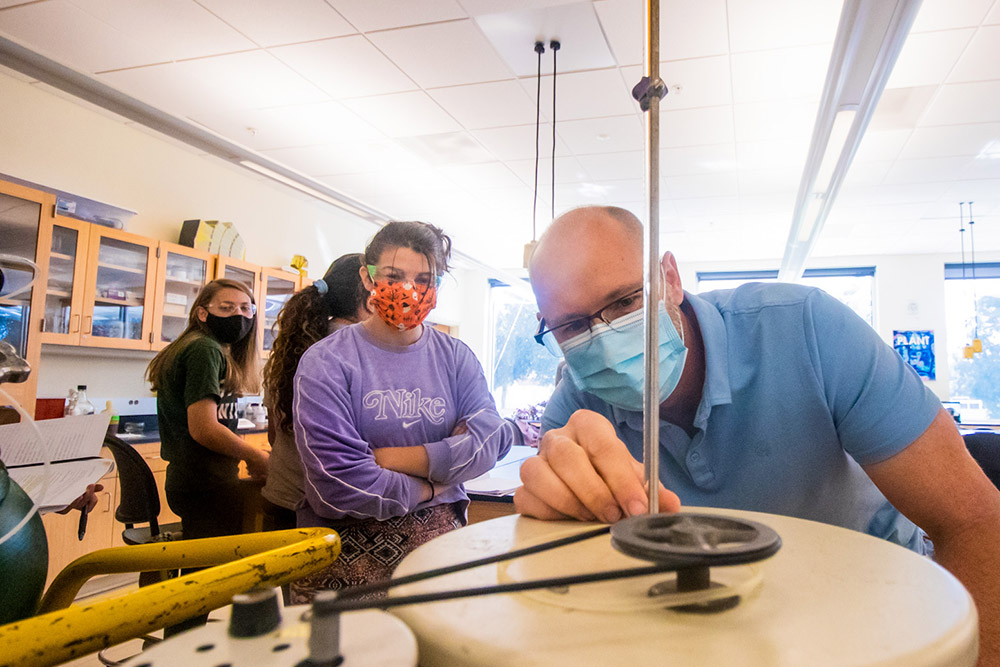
{"type": "Point", "coordinates": [985, 448]}
{"type": "Point", "coordinates": [139, 500]}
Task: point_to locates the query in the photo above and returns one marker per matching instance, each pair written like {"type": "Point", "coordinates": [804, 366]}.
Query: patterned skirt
{"type": "Point", "coordinates": [370, 549]}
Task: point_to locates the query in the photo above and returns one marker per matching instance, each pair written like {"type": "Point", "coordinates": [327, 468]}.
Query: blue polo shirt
{"type": "Point", "coordinates": [799, 393]}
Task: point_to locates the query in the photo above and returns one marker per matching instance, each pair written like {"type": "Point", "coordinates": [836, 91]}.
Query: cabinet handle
{"type": "Point", "coordinates": [90, 322]}
{"type": "Point", "coordinates": [74, 327]}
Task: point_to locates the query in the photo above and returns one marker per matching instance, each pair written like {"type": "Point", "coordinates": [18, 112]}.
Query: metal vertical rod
{"type": "Point", "coordinates": [651, 396]}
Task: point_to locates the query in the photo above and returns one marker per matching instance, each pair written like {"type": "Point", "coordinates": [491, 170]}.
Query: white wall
{"type": "Point", "coordinates": [59, 142]}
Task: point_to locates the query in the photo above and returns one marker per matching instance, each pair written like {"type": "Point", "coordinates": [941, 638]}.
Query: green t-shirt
{"type": "Point", "coordinates": [196, 374]}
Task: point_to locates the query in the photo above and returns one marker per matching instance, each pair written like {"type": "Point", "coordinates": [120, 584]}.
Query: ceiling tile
{"type": "Point", "coordinates": [444, 54]}
{"type": "Point", "coordinates": [513, 35]}
{"type": "Point", "coordinates": [890, 194]}
{"type": "Point", "coordinates": [777, 121]}
{"type": "Point", "coordinates": [568, 170]}
{"type": "Point", "coordinates": [250, 80]}
{"type": "Point", "coordinates": [878, 145]}
{"type": "Point", "coordinates": [442, 148]}
{"type": "Point", "coordinates": [694, 127]}
{"type": "Point", "coordinates": [368, 15]}
{"type": "Point", "coordinates": [707, 206]}
{"type": "Point", "coordinates": [343, 158]}
{"type": "Point", "coordinates": [613, 166]}
{"type": "Point", "coordinates": [273, 22]}
{"type": "Point", "coordinates": [700, 185]}
{"type": "Point", "coordinates": [518, 142]}
{"type": "Point", "coordinates": [982, 193]}
{"type": "Point", "coordinates": [345, 67]}
{"type": "Point", "coordinates": [587, 193]}
{"type": "Point", "coordinates": [981, 168]}
{"type": "Point", "coordinates": [961, 103]}
{"type": "Point", "coordinates": [926, 170]}
{"type": "Point", "coordinates": [951, 140]}
{"type": "Point", "coordinates": [283, 127]}
{"type": "Point", "coordinates": [901, 108]}
{"type": "Point", "coordinates": [867, 173]}
{"type": "Point", "coordinates": [67, 34]}
{"type": "Point", "coordinates": [688, 28]}
{"type": "Point", "coordinates": [945, 14]}
{"type": "Point", "coordinates": [981, 61]}
{"type": "Point", "coordinates": [780, 73]}
{"type": "Point", "coordinates": [486, 176]}
{"type": "Point", "coordinates": [769, 181]}
{"type": "Point", "coordinates": [169, 29]}
{"type": "Point", "coordinates": [993, 18]}
{"type": "Point", "coordinates": [699, 82]}
{"type": "Point", "coordinates": [576, 98]}
{"type": "Point", "coordinates": [697, 159]}
{"type": "Point", "coordinates": [484, 105]}
{"type": "Point", "coordinates": [758, 25]}
{"type": "Point", "coordinates": [772, 154]}
{"type": "Point", "coordinates": [602, 135]}
{"type": "Point", "coordinates": [478, 7]}
{"type": "Point", "coordinates": [927, 58]}
{"type": "Point", "coordinates": [404, 114]}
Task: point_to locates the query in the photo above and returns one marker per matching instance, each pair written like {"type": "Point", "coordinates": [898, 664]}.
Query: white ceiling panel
{"type": "Point", "coordinates": [758, 25]}
{"type": "Point", "coordinates": [602, 135]}
{"type": "Point", "coordinates": [688, 28]}
{"type": "Point", "coordinates": [700, 185]}
{"type": "Point", "coordinates": [981, 192]}
{"type": "Point", "coordinates": [368, 15]}
{"type": "Point", "coordinates": [443, 148]}
{"type": "Point", "coordinates": [867, 173]}
{"type": "Point", "coordinates": [769, 181]}
{"type": "Point", "coordinates": [882, 145]}
{"type": "Point", "coordinates": [926, 170]}
{"type": "Point", "coordinates": [66, 33]}
{"type": "Point", "coordinates": [981, 61]}
{"type": "Point", "coordinates": [960, 103]}
{"type": "Point", "coordinates": [274, 22]}
{"type": "Point", "coordinates": [901, 108]}
{"type": "Point", "coordinates": [614, 166]}
{"type": "Point", "coordinates": [478, 177]}
{"type": "Point", "coordinates": [772, 154]}
{"type": "Point", "coordinates": [575, 26]}
{"type": "Point", "coordinates": [694, 127]}
{"type": "Point", "coordinates": [946, 14]}
{"type": "Point", "coordinates": [927, 58]}
{"type": "Point", "coordinates": [518, 142]}
{"type": "Point", "coordinates": [699, 82]}
{"type": "Point", "coordinates": [582, 194]}
{"type": "Point", "coordinates": [775, 121]}
{"type": "Point", "coordinates": [345, 67]}
{"type": "Point", "coordinates": [575, 96]}
{"type": "Point", "coordinates": [862, 196]}
{"type": "Point", "coordinates": [284, 127]}
{"type": "Point", "coordinates": [950, 140]}
{"type": "Point", "coordinates": [250, 80]}
{"type": "Point", "coordinates": [568, 170]}
{"type": "Point", "coordinates": [707, 207]}
{"type": "Point", "coordinates": [993, 18]}
{"type": "Point", "coordinates": [343, 158]}
{"type": "Point", "coordinates": [404, 114]}
{"type": "Point", "coordinates": [485, 105]}
{"type": "Point", "coordinates": [709, 158]}
{"type": "Point", "coordinates": [779, 74]}
{"type": "Point", "coordinates": [981, 168]}
{"type": "Point", "coordinates": [444, 54]}
{"type": "Point", "coordinates": [169, 29]}
{"type": "Point", "coordinates": [478, 7]}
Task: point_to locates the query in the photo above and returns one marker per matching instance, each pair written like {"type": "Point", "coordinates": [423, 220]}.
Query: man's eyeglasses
{"type": "Point", "coordinates": [552, 338]}
{"type": "Point", "coordinates": [228, 308]}
{"type": "Point", "coordinates": [392, 276]}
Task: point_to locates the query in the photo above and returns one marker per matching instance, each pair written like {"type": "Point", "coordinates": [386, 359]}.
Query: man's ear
{"type": "Point", "coordinates": [672, 290]}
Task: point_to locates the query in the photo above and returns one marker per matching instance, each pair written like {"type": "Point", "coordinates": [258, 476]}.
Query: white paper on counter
{"type": "Point", "coordinates": [505, 477]}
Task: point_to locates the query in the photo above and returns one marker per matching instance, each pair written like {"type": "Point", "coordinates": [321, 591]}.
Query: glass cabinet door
{"type": "Point", "coordinates": [64, 288]}
{"type": "Point", "coordinates": [246, 276]}
{"type": "Point", "coordinates": [118, 281]}
{"type": "Point", "coordinates": [278, 288]}
{"type": "Point", "coordinates": [181, 275]}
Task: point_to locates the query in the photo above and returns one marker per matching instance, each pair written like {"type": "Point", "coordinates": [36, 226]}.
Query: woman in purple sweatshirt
{"type": "Point", "coordinates": [391, 416]}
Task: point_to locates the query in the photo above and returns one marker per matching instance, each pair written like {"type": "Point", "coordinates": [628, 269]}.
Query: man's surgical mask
{"type": "Point", "coordinates": [607, 361]}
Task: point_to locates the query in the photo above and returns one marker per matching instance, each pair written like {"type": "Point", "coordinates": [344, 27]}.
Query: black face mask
{"type": "Point", "coordinates": [230, 329]}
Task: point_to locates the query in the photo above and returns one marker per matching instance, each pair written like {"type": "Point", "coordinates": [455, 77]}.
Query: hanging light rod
{"type": "Point", "coordinates": [870, 35]}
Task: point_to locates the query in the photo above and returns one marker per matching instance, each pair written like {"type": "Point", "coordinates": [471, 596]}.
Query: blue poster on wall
{"type": "Point", "coordinates": [917, 349]}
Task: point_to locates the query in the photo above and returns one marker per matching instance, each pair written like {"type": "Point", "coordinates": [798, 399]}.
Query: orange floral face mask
{"type": "Point", "coordinates": [403, 305]}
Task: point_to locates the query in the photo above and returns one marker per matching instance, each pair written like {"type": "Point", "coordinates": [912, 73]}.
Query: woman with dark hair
{"type": "Point", "coordinates": [337, 300]}
{"type": "Point", "coordinates": [391, 416]}
{"type": "Point", "coordinates": [197, 379]}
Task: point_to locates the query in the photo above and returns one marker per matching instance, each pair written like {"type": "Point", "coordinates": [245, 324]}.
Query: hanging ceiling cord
{"type": "Point", "coordinates": [539, 49]}
{"type": "Point", "coordinates": [972, 242]}
{"type": "Point", "coordinates": [555, 45]}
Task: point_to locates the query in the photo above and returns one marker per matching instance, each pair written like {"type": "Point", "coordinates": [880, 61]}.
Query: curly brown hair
{"type": "Point", "coordinates": [305, 320]}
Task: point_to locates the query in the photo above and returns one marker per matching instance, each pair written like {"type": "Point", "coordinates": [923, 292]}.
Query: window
{"type": "Point", "coordinates": [521, 372]}
{"type": "Point", "coordinates": [854, 287]}
{"type": "Point", "coordinates": [972, 309]}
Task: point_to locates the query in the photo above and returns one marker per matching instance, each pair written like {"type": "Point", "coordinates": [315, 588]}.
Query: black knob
{"type": "Point", "coordinates": [254, 614]}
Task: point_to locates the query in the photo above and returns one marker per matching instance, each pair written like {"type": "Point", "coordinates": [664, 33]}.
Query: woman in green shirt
{"type": "Point", "coordinates": [197, 379]}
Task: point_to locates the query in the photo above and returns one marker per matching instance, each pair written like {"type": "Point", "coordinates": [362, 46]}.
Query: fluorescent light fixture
{"type": "Point", "coordinates": [870, 36]}
{"type": "Point", "coordinates": [991, 151]}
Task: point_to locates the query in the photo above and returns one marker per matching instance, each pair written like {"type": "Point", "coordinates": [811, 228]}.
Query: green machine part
{"type": "Point", "coordinates": [24, 556]}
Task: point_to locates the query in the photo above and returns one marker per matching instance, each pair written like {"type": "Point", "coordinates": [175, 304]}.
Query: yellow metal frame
{"type": "Point", "coordinates": [235, 565]}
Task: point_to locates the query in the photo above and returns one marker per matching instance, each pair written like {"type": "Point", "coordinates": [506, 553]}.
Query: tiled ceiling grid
{"type": "Point", "coordinates": [426, 109]}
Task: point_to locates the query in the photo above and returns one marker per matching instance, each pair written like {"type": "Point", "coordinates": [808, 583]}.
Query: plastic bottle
{"type": "Point", "coordinates": [115, 419]}
{"type": "Point", "coordinates": [82, 406]}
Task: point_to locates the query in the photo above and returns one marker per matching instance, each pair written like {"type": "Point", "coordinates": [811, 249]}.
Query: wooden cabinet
{"type": "Point", "coordinates": [181, 272]}
{"type": "Point", "coordinates": [118, 297]}
{"type": "Point", "coordinates": [25, 215]}
{"type": "Point", "coordinates": [67, 271]}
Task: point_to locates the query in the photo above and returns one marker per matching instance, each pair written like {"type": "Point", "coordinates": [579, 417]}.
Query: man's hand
{"type": "Point", "coordinates": [584, 471]}
{"type": "Point", "coordinates": [257, 464]}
